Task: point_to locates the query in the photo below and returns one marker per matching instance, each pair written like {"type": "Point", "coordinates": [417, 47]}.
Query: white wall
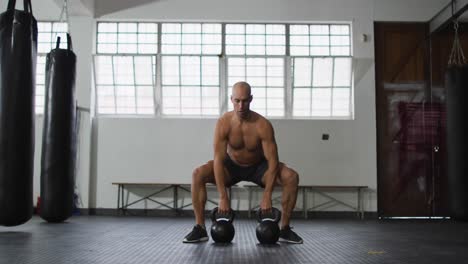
{"type": "Point", "coordinates": [167, 150]}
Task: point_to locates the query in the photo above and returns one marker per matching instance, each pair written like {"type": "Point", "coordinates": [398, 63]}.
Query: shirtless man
{"type": "Point", "coordinates": [244, 150]}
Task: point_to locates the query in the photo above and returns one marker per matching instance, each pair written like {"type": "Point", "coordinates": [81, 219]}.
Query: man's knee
{"type": "Point", "coordinates": [197, 176]}
{"type": "Point", "coordinates": [290, 178]}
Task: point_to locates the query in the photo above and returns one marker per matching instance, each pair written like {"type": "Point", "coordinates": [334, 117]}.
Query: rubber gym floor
{"type": "Point", "coordinates": [131, 239]}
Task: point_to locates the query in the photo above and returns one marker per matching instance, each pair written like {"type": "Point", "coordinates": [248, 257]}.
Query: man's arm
{"type": "Point", "coordinates": [270, 151]}
{"type": "Point", "coordinates": [220, 148]}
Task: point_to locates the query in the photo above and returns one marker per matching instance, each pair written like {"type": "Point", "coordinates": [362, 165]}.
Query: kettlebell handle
{"type": "Point", "coordinates": [229, 217]}
{"type": "Point", "coordinates": [276, 215]}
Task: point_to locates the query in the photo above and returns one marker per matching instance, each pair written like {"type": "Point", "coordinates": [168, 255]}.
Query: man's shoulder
{"type": "Point", "coordinates": [261, 120]}
{"type": "Point", "coordinates": [224, 121]}
{"type": "Point", "coordinates": [226, 116]}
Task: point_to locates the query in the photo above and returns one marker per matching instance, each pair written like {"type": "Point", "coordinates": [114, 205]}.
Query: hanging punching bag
{"type": "Point", "coordinates": [456, 83]}
{"type": "Point", "coordinates": [59, 135]}
{"type": "Point", "coordinates": [18, 51]}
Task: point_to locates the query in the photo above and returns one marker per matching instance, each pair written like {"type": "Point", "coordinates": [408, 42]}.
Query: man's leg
{"type": "Point", "coordinates": [200, 177]}
{"type": "Point", "coordinates": [289, 180]}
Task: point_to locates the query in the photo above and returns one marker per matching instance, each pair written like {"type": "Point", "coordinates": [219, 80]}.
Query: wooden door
{"type": "Point", "coordinates": [408, 122]}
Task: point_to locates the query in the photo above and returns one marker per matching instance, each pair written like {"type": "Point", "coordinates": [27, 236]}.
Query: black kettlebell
{"type": "Point", "coordinates": [268, 230]}
{"type": "Point", "coordinates": [222, 230]}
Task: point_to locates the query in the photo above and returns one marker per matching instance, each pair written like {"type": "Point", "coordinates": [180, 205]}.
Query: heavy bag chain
{"type": "Point", "coordinates": [64, 12]}
{"type": "Point", "coordinates": [456, 55]}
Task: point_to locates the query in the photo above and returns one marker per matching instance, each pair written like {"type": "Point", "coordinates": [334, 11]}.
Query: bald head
{"type": "Point", "coordinates": [242, 88]}
{"type": "Point", "coordinates": [241, 98]}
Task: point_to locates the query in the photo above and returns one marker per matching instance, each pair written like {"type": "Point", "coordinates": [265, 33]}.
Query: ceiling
{"type": "Point", "coordinates": [102, 7]}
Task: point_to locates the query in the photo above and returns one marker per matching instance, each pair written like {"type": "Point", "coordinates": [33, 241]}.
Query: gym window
{"type": "Point", "coordinates": [266, 77]}
{"type": "Point", "coordinates": [255, 39]}
{"type": "Point", "coordinates": [191, 38]}
{"type": "Point", "coordinates": [127, 38]}
{"type": "Point", "coordinates": [295, 70]}
{"type": "Point", "coordinates": [320, 40]}
{"type": "Point", "coordinates": [190, 69]}
{"type": "Point", "coordinates": [125, 84]}
{"type": "Point", "coordinates": [190, 85]}
{"type": "Point", "coordinates": [322, 87]}
{"type": "Point", "coordinates": [46, 40]}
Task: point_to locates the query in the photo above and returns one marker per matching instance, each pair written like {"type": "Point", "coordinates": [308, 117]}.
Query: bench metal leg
{"type": "Point", "coordinates": [123, 199]}
{"type": "Point", "coordinates": [250, 202]}
{"type": "Point", "coordinates": [118, 199]}
{"type": "Point", "coordinates": [176, 197]}
{"type": "Point", "coordinates": [359, 207]}
{"type": "Point", "coordinates": [304, 202]}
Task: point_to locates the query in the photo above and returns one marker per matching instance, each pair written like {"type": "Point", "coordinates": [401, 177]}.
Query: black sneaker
{"type": "Point", "coordinates": [198, 234]}
{"type": "Point", "coordinates": [289, 236]}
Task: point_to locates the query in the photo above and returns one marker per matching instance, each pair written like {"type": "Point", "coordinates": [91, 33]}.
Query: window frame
{"type": "Point", "coordinates": [223, 71]}
{"type": "Point", "coordinates": [133, 56]}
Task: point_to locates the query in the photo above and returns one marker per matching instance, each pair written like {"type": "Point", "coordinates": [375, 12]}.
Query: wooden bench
{"type": "Point", "coordinates": [322, 190]}
{"type": "Point", "coordinates": [176, 188]}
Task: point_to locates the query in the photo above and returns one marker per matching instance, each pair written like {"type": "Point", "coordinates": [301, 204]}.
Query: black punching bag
{"type": "Point", "coordinates": [59, 135]}
{"type": "Point", "coordinates": [18, 52]}
{"type": "Point", "coordinates": [456, 83]}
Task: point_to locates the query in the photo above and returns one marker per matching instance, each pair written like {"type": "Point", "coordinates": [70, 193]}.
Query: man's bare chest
{"type": "Point", "coordinates": [244, 138]}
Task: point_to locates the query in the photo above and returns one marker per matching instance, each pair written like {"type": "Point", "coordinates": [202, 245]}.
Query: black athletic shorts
{"type": "Point", "coordinates": [252, 173]}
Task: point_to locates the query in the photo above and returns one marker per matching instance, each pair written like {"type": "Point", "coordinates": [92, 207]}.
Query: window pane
{"type": "Point", "coordinates": [104, 70]}
{"type": "Point", "coordinates": [302, 72]}
{"type": "Point", "coordinates": [107, 27]}
{"type": "Point", "coordinates": [299, 50]}
{"type": "Point", "coordinates": [235, 29]}
{"type": "Point", "coordinates": [190, 70]}
{"type": "Point", "coordinates": [339, 40]}
{"type": "Point", "coordinates": [191, 28]}
{"type": "Point", "coordinates": [320, 40]}
{"type": "Point", "coordinates": [327, 93]}
{"type": "Point", "coordinates": [323, 72]}
{"type": "Point", "coordinates": [127, 27]}
{"type": "Point", "coordinates": [339, 30]}
{"type": "Point", "coordinates": [147, 27]}
{"type": "Point", "coordinates": [170, 70]}
{"type": "Point", "coordinates": [122, 73]}
{"type": "Point", "coordinates": [171, 91]}
{"type": "Point", "coordinates": [47, 35]}
{"type": "Point", "coordinates": [255, 39]}
{"type": "Point", "coordinates": [266, 76]}
{"type": "Point", "coordinates": [301, 99]}
{"type": "Point", "coordinates": [299, 30]}
{"type": "Point", "coordinates": [187, 82]}
{"type": "Point", "coordinates": [340, 51]}
{"type": "Point", "coordinates": [319, 51]}
{"type": "Point", "coordinates": [321, 102]}
{"type": "Point", "coordinates": [299, 40]}
{"type": "Point", "coordinates": [124, 37]}
{"type": "Point", "coordinates": [341, 102]}
{"type": "Point", "coordinates": [124, 84]}
{"type": "Point", "coordinates": [210, 92]}
{"type": "Point", "coordinates": [342, 72]}
{"type": "Point", "coordinates": [191, 38]}
{"type": "Point", "coordinates": [210, 71]}
{"type": "Point", "coordinates": [319, 30]}
{"type": "Point", "coordinates": [127, 48]}
{"type": "Point", "coordinates": [143, 70]}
